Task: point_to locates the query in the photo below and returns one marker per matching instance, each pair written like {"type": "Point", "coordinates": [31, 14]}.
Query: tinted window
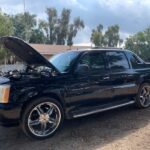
{"type": "Point", "coordinates": [134, 60]}
{"type": "Point", "coordinates": [117, 60]}
{"type": "Point", "coordinates": [95, 61]}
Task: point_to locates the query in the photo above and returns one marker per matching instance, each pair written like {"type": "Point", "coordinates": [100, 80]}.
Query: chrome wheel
{"type": "Point", "coordinates": [145, 96]}
{"type": "Point", "coordinates": [44, 119]}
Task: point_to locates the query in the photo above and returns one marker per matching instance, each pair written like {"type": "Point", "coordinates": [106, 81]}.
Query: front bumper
{"type": "Point", "coordinates": [9, 115]}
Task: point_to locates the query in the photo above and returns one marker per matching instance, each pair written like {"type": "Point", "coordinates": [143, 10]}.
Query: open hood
{"type": "Point", "coordinates": [25, 52]}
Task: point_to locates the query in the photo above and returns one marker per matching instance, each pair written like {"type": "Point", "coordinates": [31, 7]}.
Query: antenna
{"type": "Point", "coordinates": [24, 6]}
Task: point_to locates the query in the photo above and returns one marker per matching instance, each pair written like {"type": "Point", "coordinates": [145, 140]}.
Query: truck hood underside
{"type": "Point", "coordinates": [25, 52]}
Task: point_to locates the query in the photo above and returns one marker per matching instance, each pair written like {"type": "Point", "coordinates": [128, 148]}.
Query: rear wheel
{"type": "Point", "coordinates": [42, 118]}
{"type": "Point", "coordinates": [143, 97]}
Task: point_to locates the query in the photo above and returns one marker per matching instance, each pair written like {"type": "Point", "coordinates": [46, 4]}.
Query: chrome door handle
{"type": "Point", "coordinates": [106, 78]}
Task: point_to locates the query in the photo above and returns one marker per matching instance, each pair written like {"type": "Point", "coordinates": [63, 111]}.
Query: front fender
{"type": "Point", "coordinates": [29, 93]}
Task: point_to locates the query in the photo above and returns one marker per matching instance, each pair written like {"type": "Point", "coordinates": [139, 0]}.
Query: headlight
{"type": "Point", "coordinates": [4, 93]}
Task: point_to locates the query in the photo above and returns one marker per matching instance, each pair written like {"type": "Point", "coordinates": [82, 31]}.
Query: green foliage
{"type": "Point", "coordinates": [52, 20]}
{"type": "Point", "coordinates": [2, 54]}
{"type": "Point", "coordinates": [37, 36]}
{"type": "Point", "coordinates": [140, 44]}
{"type": "Point", "coordinates": [59, 30]}
{"type": "Point", "coordinates": [55, 30]}
{"type": "Point", "coordinates": [110, 38]}
{"type": "Point", "coordinates": [43, 27]}
{"type": "Point", "coordinates": [65, 18]}
{"type": "Point", "coordinates": [97, 36]}
{"type": "Point", "coordinates": [6, 26]}
{"type": "Point", "coordinates": [23, 24]}
{"type": "Point", "coordinates": [62, 26]}
{"type": "Point", "coordinates": [73, 29]}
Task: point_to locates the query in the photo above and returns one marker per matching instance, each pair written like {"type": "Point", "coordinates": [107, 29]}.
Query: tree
{"type": "Point", "coordinates": [6, 26]}
{"type": "Point", "coordinates": [73, 30]}
{"type": "Point", "coordinates": [6, 29]}
{"type": "Point", "coordinates": [58, 29]}
{"type": "Point", "coordinates": [37, 36]}
{"type": "Point", "coordinates": [111, 36]}
{"type": "Point", "coordinates": [140, 44]}
{"type": "Point", "coordinates": [43, 27]}
{"type": "Point", "coordinates": [62, 26]}
{"type": "Point", "coordinates": [23, 24]}
{"type": "Point", "coordinates": [97, 36]}
{"type": "Point", "coordinates": [52, 20]}
{"type": "Point", "coordinates": [55, 30]}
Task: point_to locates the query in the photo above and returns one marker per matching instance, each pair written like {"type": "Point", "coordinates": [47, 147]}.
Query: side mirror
{"type": "Point", "coordinates": [82, 69]}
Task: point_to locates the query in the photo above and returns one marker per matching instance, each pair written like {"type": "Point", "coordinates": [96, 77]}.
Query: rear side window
{"type": "Point", "coordinates": [117, 61]}
{"type": "Point", "coordinates": [135, 61]}
{"type": "Point", "coordinates": [95, 61]}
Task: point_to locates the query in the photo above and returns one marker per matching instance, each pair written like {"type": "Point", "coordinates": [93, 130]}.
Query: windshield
{"type": "Point", "coordinates": [64, 61]}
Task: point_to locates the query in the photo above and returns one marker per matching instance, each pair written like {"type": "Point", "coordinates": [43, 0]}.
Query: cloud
{"type": "Point", "coordinates": [10, 9]}
{"type": "Point", "coordinates": [74, 3]}
{"type": "Point", "coordinates": [131, 15]}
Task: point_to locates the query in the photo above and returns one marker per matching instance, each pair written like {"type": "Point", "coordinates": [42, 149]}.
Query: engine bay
{"type": "Point", "coordinates": [29, 72]}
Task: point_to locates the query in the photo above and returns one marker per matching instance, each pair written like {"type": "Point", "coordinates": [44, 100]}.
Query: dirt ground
{"type": "Point", "coordinates": [122, 129]}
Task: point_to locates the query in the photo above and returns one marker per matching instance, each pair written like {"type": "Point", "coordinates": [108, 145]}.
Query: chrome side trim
{"type": "Point", "coordinates": [104, 109]}
{"type": "Point", "coordinates": [125, 86]}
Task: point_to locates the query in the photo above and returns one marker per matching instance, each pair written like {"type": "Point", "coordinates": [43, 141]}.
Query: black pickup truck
{"type": "Point", "coordinates": [71, 84]}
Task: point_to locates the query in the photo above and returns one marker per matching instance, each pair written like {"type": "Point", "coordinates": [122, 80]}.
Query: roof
{"type": "Point", "coordinates": [104, 49]}
{"type": "Point", "coordinates": [47, 49]}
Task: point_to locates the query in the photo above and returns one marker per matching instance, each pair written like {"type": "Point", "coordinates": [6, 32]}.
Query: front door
{"type": "Point", "coordinates": [94, 86]}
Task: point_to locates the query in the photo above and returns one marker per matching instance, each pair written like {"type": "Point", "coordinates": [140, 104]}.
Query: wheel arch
{"type": "Point", "coordinates": [50, 95]}
{"type": "Point", "coordinates": [144, 79]}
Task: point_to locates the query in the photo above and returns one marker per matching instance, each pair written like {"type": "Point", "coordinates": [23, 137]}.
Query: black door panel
{"type": "Point", "coordinates": [102, 88]}
{"type": "Point", "coordinates": [124, 83]}
{"type": "Point", "coordinates": [78, 89]}
{"type": "Point", "coordinates": [122, 76]}
{"type": "Point", "coordinates": [94, 87]}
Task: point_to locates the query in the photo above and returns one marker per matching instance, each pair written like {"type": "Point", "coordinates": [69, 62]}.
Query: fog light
{"type": "Point", "coordinates": [4, 93]}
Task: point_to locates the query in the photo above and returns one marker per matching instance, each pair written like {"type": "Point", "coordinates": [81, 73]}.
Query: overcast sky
{"type": "Point", "coordinates": [131, 15]}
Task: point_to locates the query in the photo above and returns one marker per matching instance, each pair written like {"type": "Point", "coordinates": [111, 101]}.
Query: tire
{"type": "Point", "coordinates": [42, 118]}
{"type": "Point", "coordinates": [143, 96]}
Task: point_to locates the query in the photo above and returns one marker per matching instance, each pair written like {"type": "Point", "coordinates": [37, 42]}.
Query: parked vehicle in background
{"type": "Point", "coordinates": [70, 85]}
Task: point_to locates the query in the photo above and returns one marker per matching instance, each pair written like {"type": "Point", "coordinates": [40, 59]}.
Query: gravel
{"type": "Point", "coordinates": [126, 128]}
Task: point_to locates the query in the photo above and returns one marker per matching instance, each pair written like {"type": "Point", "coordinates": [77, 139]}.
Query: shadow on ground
{"type": "Point", "coordinates": [87, 133]}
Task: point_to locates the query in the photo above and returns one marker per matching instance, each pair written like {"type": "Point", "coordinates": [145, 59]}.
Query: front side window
{"type": "Point", "coordinates": [95, 61]}
{"type": "Point", "coordinates": [64, 61]}
{"type": "Point", "coordinates": [117, 61]}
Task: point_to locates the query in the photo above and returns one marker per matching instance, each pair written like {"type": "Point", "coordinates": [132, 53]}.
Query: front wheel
{"type": "Point", "coordinates": [42, 118]}
{"type": "Point", "coordinates": [143, 96]}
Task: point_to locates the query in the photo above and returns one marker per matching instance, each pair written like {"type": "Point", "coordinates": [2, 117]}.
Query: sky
{"type": "Point", "coordinates": [131, 15]}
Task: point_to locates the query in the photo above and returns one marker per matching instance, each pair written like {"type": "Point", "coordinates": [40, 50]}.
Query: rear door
{"type": "Point", "coordinates": [122, 76]}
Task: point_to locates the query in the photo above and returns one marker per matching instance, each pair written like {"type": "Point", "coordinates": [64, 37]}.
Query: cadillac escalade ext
{"type": "Point", "coordinates": [72, 84]}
